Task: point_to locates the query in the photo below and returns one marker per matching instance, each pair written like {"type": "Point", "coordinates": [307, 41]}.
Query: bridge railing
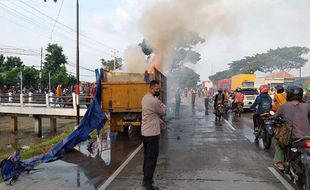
{"type": "Point", "coordinates": [45, 100]}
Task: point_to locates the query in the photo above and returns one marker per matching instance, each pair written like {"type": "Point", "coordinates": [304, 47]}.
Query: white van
{"type": "Point", "coordinates": [250, 95]}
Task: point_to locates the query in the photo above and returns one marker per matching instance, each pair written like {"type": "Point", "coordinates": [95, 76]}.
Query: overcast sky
{"type": "Point", "coordinates": [113, 24]}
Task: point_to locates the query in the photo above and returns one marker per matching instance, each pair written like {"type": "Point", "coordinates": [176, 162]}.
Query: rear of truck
{"type": "Point", "coordinates": [122, 96]}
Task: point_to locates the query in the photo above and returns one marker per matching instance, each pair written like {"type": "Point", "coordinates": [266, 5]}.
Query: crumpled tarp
{"type": "Point", "coordinates": [94, 119]}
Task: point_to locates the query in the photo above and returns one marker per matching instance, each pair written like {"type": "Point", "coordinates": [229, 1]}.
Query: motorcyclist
{"type": "Point", "coordinates": [238, 97]}
{"type": "Point", "coordinates": [279, 98]}
{"type": "Point", "coordinates": [218, 99]}
{"type": "Point", "coordinates": [296, 113]}
{"type": "Point", "coordinates": [264, 103]}
{"type": "Point", "coordinates": [307, 95]}
{"type": "Point", "coordinates": [226, 98]}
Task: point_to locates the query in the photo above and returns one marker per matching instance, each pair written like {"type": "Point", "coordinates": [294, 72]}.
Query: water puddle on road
{"type": "Point", "coordinates": [100, 157]}
{"type": "Point", "coordinates": [91, 163]}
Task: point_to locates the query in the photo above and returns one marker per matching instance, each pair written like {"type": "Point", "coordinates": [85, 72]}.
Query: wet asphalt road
{"type": "Point", "coordinates": [195, 153]}
{"type": "Point", "coordinates": [208, 155]}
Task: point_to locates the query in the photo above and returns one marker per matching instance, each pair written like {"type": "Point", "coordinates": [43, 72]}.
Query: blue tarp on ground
{"type": "Point", "coordinates": [94, 119]}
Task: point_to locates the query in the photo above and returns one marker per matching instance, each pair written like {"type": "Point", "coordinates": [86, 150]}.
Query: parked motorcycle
{"type": "Point", "coordinates": [297, 160]}
{"type": "Point", "coordinates": [265, 130]}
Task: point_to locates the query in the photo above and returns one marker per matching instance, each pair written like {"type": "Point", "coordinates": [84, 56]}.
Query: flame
{"type": "Point", "coordinates": [155, 63]}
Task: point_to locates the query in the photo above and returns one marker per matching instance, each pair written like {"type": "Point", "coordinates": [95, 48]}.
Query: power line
{"type": "Point", "coordinates": [39, 24]}
{"type": "Point", "coordinates": [15, 13]}
{"type": "Point", "coordinates": [17, 53]}
{"type": "Point", "coordinates": [68, 27]}
{"type": "Point", "coordinates": [62, 2]}
{"type": "Point", "coordinates": [84, 68]}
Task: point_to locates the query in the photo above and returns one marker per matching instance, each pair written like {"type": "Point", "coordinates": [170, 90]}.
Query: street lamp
{"type": "Point", "coordinates": [77, 86]}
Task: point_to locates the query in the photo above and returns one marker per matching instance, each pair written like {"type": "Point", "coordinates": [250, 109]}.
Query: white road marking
{"type": "Point", "coordinates": [281, 179]}
{"type": "Point", "coordinates": [118, 171]}
{"type": "Point", "coordinates": [230, 125]}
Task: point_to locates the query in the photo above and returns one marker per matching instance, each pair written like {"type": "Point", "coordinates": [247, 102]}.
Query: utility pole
{"type": "Point", "coordinates": [49, 83]}
{"type": "Point", "coordinates": [300, 82]}
{"type": "Point", "coordinates": [77, 64]}
{"type": "Point", "coordinates": [77, 86]}
{"type": "Point", "coordinates": [40, 82]}
{"type": "Point", "coordinates": [21, 82]}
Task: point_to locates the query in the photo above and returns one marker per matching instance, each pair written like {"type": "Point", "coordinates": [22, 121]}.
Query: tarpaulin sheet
{"type": "Point", "coordinates": [94, 119]}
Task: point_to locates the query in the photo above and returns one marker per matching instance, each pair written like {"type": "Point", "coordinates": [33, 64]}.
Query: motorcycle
{"type": "Point", "coordinates": [297, 160]}
{"type": "Point", "coordinates": [265, 130]}
{"type": "Point", "coordinates": [220, 110]}
{"type": "Point", "coordinates": [238, 109]}
{"type": "Point", "coordinates": [226, 107]}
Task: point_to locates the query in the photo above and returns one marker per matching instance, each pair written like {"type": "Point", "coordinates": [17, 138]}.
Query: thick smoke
{"type": "Point", "coordinates": [168, 24]}
{"type": "Point", "coordinates": [135, 61]}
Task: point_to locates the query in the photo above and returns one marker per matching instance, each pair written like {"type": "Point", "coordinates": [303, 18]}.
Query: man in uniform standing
{"type": "Point", "coordinates": [152, 111]}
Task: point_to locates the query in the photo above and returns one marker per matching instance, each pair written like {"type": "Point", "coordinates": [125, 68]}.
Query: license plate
{"type": "Point", "coordinates": [250, 98]}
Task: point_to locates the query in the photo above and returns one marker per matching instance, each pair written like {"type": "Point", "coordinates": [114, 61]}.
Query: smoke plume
{"type": "Point", "coordinates": [135, 61]}
{"type": "Point", "coordinates": [168, 24]}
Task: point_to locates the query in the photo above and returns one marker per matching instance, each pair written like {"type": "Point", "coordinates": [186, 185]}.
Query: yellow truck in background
{"type": "Point", "coordinates": [246, 83]}
{"type": "Point", "coordinates": [243, 81]}
{"type": "Point", "coordinates": [122, 95]}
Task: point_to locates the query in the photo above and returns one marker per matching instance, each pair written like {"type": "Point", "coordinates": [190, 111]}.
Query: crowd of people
{"type": "Point", "coordinates": [292, 104]}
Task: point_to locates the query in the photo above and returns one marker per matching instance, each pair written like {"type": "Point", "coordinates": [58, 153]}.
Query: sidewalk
{"type": "Point", "coordinates": [207, 156]}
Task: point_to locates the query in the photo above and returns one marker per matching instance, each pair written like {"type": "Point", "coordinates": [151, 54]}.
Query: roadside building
{"type": "Point", "coordinates": [306, 81]}
{"type": "Point", "coordinates": [224, 84]}
{"type": "Point", "coordinates": [259, 81]}
{"type": "Point", "coordinates": [280, 78]}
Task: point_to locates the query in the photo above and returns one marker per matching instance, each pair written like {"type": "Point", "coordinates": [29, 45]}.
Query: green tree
{"type": "Point", "coordinates": [286, 58]}
{"type": "Point", "coordinates": [54, 64]}
{"type": "Point", "coordinates": [12, 61]}
{"type": "Point", "coordinates": [1, 80]}
{"type": "Point", "coordinates": [30, 77]}
{"type": "Point", "coordinates": [184, 77]}
{"type": "Point", "coordinates": [12, 77]}
{"type": "Point", "coordinates": [55, 58]}
{"type": "Point", "coordinates": [109, 64]}
{"type": "Point", "coordinates": [2, 59]}
{"type": "Point", "coordinates": [221, 75]}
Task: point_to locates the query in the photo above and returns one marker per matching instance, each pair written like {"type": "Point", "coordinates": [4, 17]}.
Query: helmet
{"type": "Point", "coordinates": [220, 90]}
{"type": "Point", "coordinates": [238, 90]}
{"type": "Point", "coordinates": [294, 93]}
{"type": "Point", "coordinates": [264, 88]}
{"type": "Point", "coordinates": [279, 89]}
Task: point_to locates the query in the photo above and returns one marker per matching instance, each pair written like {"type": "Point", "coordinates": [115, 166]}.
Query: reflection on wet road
{"type": "Point", "coordinates": [100, 157]}
{"type": "Point", "coordinates": [197, 152]}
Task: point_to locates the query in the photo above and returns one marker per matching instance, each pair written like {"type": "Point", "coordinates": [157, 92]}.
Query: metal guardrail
{"type": "Point", "coordinates": [45, 100]}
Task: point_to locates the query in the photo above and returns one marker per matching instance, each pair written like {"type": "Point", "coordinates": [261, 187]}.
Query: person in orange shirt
{"type": "Point", "coordinates": [279, 98]}
{"type": "Point", "coordinates": [59, 94]}
{"type": "Point", "coordinates": [59, 90]}
{"type": "Point", "coordinates": [238, 98]}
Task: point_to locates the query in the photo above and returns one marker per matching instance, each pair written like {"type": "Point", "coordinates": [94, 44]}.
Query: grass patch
{"type": "Point", "coordinates": [44, 147]}
{"type": "Point", "coordinates": [37, 149]}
